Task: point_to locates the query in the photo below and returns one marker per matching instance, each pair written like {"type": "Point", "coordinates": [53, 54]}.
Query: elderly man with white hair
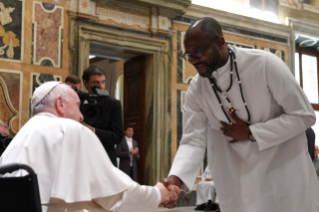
{"type": "Point", "coordinates": [74, 172]}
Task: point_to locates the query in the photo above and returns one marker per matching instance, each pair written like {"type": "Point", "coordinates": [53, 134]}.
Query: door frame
{"type": "Point", "coordinates": [158, 85]}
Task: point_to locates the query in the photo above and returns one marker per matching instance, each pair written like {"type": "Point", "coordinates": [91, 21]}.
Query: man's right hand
{"type": "Point", "coordinates": [172, 182]}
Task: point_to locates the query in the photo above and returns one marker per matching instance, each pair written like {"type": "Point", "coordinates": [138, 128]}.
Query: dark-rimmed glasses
{"type": "Point", "coordinates": [198, 53]}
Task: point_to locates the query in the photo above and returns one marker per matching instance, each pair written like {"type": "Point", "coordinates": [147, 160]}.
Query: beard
{"type": "Point", "coordinates": [211, 68]}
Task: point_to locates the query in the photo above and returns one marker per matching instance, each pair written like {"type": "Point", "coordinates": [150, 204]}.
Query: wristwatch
{"type": "Point", "coordinates": [251, 137]}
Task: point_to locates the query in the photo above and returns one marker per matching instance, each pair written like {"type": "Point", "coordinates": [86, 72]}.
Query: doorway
{"type": "Point", "coordinates": [125, 80]}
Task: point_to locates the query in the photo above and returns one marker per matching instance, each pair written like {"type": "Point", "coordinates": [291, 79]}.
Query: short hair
{"type": "Point", "coordinates": [128, 126]}
{"type": "Point", "coordinates": [3, 124]}
{"type": "Point", "coordinates": [92, 70]}
{"type": "Point", "coordinates": [73, 79]}
{"type": "Point", "coordinates": [208, 26]}
{"type": "Point", "coordinates": [48, 102]}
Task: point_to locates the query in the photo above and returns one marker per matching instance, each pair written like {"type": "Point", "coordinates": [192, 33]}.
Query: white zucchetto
{"type": "Point", "coordinates": [41, 92]}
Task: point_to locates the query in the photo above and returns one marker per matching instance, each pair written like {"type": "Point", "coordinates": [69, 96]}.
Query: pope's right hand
{"type": "Point", "coordinates": [167, 195]}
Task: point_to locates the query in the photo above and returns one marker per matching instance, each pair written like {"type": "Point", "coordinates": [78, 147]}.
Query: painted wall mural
{"type": "Point", "coordinates": [10, 98]}
{"type": "Point", "coordinates": [11, 26]}
{"type": "Point", "coordinates": [300, 4]}
{"type": "Point", "coordinates": [47, 34]}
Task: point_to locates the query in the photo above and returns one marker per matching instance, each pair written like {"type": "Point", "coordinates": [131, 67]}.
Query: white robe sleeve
{"type": "Point", "coordinates": [136, 198]}
{"type": "Point", "coordinates": [192, 146]}
{"type": "Point", "coordinates": [297, 115]}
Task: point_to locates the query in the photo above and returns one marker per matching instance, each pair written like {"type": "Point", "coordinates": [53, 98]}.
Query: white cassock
{"type": "Point", "coordinates": [205, 189]}
{"type": "Point", "coordinates": [73, 170]}
{"type": "Point", "coordinates": [273, 174]}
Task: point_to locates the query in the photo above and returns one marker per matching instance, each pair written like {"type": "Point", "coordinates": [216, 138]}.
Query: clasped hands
{"type": "Point", "coordinates": [238, 132]}
{"type": "Point", "coordinates": [134, 151]}
{"type": "Point", "coordinates": [169, 194]}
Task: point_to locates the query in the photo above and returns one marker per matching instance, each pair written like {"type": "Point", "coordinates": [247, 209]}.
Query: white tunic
{"type": "Point", "coordinates": [273, 174]}
{"type": "Point", "coordinates": [73, 170]}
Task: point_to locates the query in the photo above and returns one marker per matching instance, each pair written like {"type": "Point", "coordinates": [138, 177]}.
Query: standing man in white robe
{"type": "Point", "coordinates": [205, 193]}
{"type": "Point", "coordinates": [246, 106]}
{"type": "Point", "coordinates": [74, 171]}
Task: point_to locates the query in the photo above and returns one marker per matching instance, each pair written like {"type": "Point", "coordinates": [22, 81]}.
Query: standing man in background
{"type": "Point", "coordinates": [128, 153]}
{"type": "Point", "coordinates": [110, 129]}
{"type": "Point", "coordinates": [247, 107]}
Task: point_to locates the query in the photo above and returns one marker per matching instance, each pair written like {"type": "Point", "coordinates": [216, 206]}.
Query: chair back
{"type": "Point", "coordinates": [19, 194]}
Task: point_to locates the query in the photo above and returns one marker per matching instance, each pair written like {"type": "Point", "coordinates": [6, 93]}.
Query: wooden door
{"type": "Point", "coordinates": [134, 107]}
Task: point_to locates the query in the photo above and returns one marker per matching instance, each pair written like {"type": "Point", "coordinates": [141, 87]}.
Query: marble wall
{"type": "Point", "coordinates": [47, 34]}
{"type": "Point", "coordinates": [11, 27]}
{"type": "Point", "coordinates": [33, 35]}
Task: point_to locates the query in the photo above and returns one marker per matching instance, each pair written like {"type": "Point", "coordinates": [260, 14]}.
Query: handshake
{"type": "Point", "coordinates": [169, 193]}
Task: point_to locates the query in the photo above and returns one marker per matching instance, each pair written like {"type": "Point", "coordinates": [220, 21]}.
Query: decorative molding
{"type": "Point", "coordinates": [303, 27]}
{"type": "Point", "coordinates": [123, 17]}
{"type": "Point", "coordinates": [195, 12]}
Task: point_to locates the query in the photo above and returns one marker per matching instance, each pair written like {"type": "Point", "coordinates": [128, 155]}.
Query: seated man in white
{"type": "Point", "coordinates": [205, 195]}
{"type": "Point", "coordinates": [74, 171]}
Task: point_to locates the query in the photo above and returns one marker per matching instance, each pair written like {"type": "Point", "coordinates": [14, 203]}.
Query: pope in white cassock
{"type": "Point", "coordinates": [247, 109]}
{"type": "Point", "coordinates": [74, 172]}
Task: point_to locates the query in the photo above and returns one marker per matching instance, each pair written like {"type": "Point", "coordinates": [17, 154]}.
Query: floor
{"type": "Point", "coordinates": [178, 209]}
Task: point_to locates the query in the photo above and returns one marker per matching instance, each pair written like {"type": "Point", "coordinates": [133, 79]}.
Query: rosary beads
{"type": "Point", "coordinates": [217, 89]}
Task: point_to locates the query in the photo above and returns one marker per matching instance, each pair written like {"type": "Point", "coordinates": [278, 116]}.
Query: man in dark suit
{"type": "Point", "coordinates": [128, 153]}
{"type": "Point", "coordinates": [109, 129]}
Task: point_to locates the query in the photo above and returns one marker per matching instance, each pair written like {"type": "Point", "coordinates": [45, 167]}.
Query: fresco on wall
{"type": "Point", "coordinates": [10, 91]}
{"type": "Point", "coordinates": [300, 4]}
{"type": "Point", "coordinates": [11, 25]}
{"type": "Point", "coordinates": [47, 34]}
{"type": "Point", "coordinates": [38, 79]}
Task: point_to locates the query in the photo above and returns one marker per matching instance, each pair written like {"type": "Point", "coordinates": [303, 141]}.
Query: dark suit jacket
{"type": "Point", "coordinates": [311, 138]}
{"type": "Point", "coordinates": [124, 154]}
{"type": "Point", "coordinates": [110, 130]}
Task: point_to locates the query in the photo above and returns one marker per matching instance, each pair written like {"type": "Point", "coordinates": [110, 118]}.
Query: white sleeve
{"type": "Point", "coordinates": [136, 198]}
{"type": "Point", "coordinates": [298, 114]}
{"type": "Point", "coordinates": [191, 150]}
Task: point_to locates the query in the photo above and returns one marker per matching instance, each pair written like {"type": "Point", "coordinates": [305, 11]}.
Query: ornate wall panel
{"type": "Point", "coordinates": [47, 34]}
{"type": "Point", "coordinates": [11, 26]}
{"type": "Point", "coordinates": [10, 98]}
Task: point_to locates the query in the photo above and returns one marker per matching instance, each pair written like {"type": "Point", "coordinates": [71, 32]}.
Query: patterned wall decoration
{"type": "Point", "coordinates": [47, 35]}
{"type": "Point", "coordinates": [11, 26]}
{"type": "Point", "coordinates": [10, 99]}
{"type": "Point", "coordinates": [299, 4]}
{"type": "Point", "coordinates": [307, 41]}
{"type": "Point", "coordinates": [278, 53]}
{"type": "Point", "coordinates": [38, 79]}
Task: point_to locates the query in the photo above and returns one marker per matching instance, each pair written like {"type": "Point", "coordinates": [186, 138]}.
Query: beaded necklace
{"type": "Point", "coordinates": [217, 89]}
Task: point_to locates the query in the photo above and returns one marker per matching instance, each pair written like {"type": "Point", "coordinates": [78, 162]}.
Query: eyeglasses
{"type": "Point", "coordinates": [198, 53]}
